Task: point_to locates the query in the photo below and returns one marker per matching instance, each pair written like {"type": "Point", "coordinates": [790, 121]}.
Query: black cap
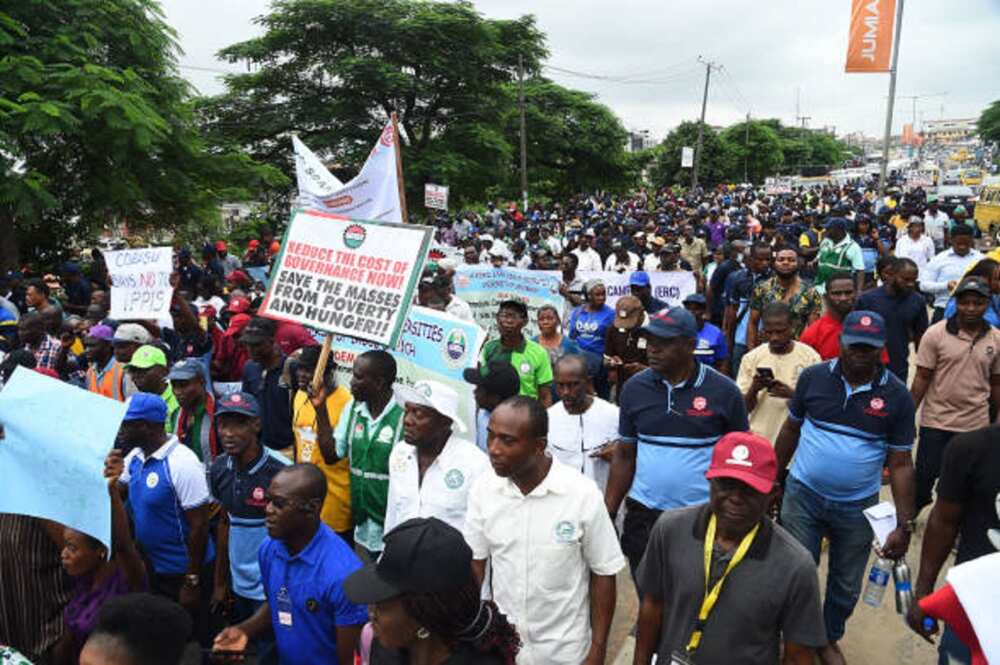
{"type": "Point", "coordinates": [498, 378]}
{"type": "Point", "coordinates": [422, 555]}
{"type": "Point", "coordinates": [258, 330]}
{"type": "Point", "coordinates": [974, 284]}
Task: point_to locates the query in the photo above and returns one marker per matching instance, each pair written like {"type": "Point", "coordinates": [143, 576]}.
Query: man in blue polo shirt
{"type": "Point", "coordinates": [303, 566]}
{"type": "Point", "coordinates": [671, 415]}
{"type": "Point", "coordinates": [238, 479]}
{"type": "Point", "coordinates": [847, 418]}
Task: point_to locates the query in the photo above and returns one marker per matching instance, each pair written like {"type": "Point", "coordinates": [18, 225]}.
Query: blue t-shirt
{"type": "Point", "coordinates": [847, 432]}
{"type": "Point", "coordinates": [711, 346]}
{"type": "Point", "coordinates": [587, 328]}
{"type": "Point", "coordinates": [306, 596]}
{"type": "Point", "coordinates": [675, 429]}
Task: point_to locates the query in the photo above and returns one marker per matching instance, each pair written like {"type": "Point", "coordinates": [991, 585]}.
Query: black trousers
{"type": "Point", "coordinates": [639, 521]}
{"type": "Point", "coordinates": [206, 624]}
{"type": "Point", "coordinates": [930, 453]}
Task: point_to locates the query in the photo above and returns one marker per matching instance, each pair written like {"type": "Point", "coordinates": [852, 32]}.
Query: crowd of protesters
{"type": "Point", "coordinates": [257, 511]}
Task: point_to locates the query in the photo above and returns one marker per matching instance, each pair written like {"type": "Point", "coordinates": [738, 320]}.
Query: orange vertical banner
{"type": "Point", "coordinates": [869, 42]}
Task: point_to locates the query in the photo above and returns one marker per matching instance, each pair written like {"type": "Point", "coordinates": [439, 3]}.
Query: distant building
{"type": "Point", "coordinates": [639, 141]}
{"type": "Point", "coordinates": [949, 131]}
{"type": "Point", "coordinates": [233, 214]}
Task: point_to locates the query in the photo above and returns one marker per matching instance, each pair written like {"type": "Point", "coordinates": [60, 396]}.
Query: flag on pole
{"type": "Point", "coordinates": [373, 194]}
{"type": "Point", "coordinates": [869, 41]}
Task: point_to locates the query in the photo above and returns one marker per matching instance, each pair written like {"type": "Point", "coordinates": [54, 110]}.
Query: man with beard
{"type": "Point", "coordinates": [847, 419]}
{"type": "Point", "coordinates": [944, 271]}
{"type": "Point", "coordinates": [431, 473]}
{"type": "Point", "coordinates": [238, 480]}
{"type": "Point", "coordinates": [823, 334]}
{"type": "Point", "coordinates": [904, 311]}
{"type": "Point", "coordinates": [787, 287]}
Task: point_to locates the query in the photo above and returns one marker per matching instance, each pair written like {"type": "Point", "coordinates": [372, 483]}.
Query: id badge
{"type": "Point", "coordinates": [640, 343]}
{"type": "Point", "coordinates": [681, 658]}
{"type": "Point", "coordinates": [284, 608]}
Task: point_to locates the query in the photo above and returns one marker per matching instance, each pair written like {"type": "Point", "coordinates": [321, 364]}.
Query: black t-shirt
{"type": "Point", "coordinates": [970, 475]}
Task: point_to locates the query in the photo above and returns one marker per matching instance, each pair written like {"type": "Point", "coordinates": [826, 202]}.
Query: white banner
{"type": "Point", "coordinates": [373, 194]}
{"type": "Point", "coordinates": [777, 186]}
{"type": "Point", "coordinates": [314, 178]}
{"type": "Point", "coordinates": [687, 157]}
{"type": "Point", "coordinates": [919, 178]}
{"type": "Point", "coordinates": [347, 277]}
{"type": "Point", "coordinates": [670, 287]}
{"type": "Point", "coordinates": [140, 283]}
{"type": "Point", "coordinates": [435, 196]}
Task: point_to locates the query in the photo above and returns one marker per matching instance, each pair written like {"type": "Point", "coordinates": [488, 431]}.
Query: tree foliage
{"type": "Point", "coordinates": [714, 164]}
{"type": "Point", "coordinates": [989, 123]}
{"type": "Point", "coordinates": [96, 127]}
{"type": "Point", "coordinates": [754, 147]}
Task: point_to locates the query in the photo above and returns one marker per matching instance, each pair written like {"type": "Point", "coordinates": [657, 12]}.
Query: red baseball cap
{"type": "Point", "coordinates": [220, 245]}
{"type": "Point", "coordinates": [238, 305]}
{"type": "Point", "coordinates": [746, 457]}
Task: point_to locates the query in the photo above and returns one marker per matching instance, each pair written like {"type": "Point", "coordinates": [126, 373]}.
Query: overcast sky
{"type": "Point", "coordinates": [768, 50]}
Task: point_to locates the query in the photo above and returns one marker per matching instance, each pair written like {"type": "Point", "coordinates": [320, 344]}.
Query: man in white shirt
{"type": "Point", "coordinates": [588, 258]}
{"type": "Point", "coordinates": [554, 552]}
{"type": "Point", "coordinates": [621, 260]}
{"type": "Point", "coordinates": [943, 272]}
{"type": "Point", "coordinates": [582, 427]}
{"type": "Point", "coordinates": [915, 244]}
{"type": "Point", "coordinates": [937, 223]}
{"type": "Point", "coordinates": [431, 473]}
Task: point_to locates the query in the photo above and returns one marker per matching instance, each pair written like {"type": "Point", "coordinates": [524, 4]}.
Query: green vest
{"type": "Point", "coordinates": [831, 259]}
{"type": "Point", "coordinates": [369, 462]}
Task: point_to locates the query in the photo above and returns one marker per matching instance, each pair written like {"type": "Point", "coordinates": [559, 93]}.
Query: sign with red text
{"type": "Point", "coordinates": [346, 276]}
{"type": "Point", "coordinates": [435, 196]}
{"type": "Point", "coordinates": [140, 283]}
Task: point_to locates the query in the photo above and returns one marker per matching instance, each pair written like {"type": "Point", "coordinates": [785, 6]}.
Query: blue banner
{"type": "Point", "coordinates": [484, 288]}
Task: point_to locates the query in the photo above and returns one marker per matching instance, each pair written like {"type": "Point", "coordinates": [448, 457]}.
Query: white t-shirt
{"type": "Point", "coordinates": [543, 547]}
{"type": "Point", "coordinates": [459, 309]}
{"type": "Point", "coordinates": [631, 264]}
{"type": "Point", "coordinates": [920, 251]}
{"type": "Point", "coordinates": [445, 488]}
{"type": "Point", "coordinates": [589, 260]}
{"type": "Point", "coordinates": [573, 437]}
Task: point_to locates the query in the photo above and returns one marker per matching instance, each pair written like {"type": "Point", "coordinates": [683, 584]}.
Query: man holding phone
{"type": "Point", "coordinates": [768, 374]}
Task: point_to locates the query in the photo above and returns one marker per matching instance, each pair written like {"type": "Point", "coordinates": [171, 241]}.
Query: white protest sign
{"type": "Point", "coordinates": [435, 196]}
{"type": "Point", "coordinates": [347, 277]}
{"type": "Point", "coordinates": [687, 157]}
{"type": "Point", "coordinates": [140, 283]}
{"type": "Point", "coordinates": [312, 176]}
{"type": "Point", "coordinates": [919, 179]}
{"type": "Point", "coordinates": [373, 194]}
{"type": "Point", "coordinates": [777, 186]}
{"type": "Point", "coordinates": [670, 287]}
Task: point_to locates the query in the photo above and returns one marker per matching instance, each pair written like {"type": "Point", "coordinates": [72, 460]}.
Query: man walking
{"type": "Point", "coordinates": [551, 544]}
{"type": "Point", "coordinates": [944, 271]}
{"type": "Point", "coordinates": [823, 334]}
{"type": "Point", "coordinates": [958, 380]}
{"type": "Point", "coordinates": [494, 382]}
{"type": "Point", "coordinates": [528, 358]}
{"type": "Point", "coordinates": [670, 417]}
{"type": "Point", "coordinates": [846, 420]}
{"type": "Point", "coordinates": [730, 547]}
{"type": "Point", "coordinates": [903, 310]}
{"type": "Point", "coordinates": [431, 471]}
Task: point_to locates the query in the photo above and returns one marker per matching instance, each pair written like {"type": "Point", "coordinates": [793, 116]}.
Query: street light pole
{"type": "Point", "coordinates": [892, 101]}
{"type": "Point", "coordinates": [701, 123]}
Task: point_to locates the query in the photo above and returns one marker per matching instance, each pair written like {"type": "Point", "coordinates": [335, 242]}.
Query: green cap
{"type": "Point", "coordinates": [960, 210]}
{"type": "Point", "coordinates": [147, 356]}
{"type": "Point", "coordinates": [932, 198]}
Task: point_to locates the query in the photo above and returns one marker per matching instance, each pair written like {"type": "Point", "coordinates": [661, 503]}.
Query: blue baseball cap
{"type": "Point", "coordinates": [640, 278]}
{"type": "Point", "coordinates": [673, 322]}
{"type": "Point", "coordinates": [185, 370]}
{"type": "Point", "coordinates": [146, 406]}
{"type": "Point", "coordinates": [836, 222]}
{"type": "Point", "coordinates": [695, 299]}
{"type": "Point", "coordinates": [244, 404]}
{"type": "Point", "coordinates": [863, 327]}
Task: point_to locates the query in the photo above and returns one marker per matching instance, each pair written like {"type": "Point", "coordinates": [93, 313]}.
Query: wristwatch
{"type": "Point", "coordinates": [192, 581]}
{"type": "Point", "coordinates": [909, 526]}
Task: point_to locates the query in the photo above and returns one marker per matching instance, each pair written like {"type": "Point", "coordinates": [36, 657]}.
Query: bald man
{"type": "Point", "coordinates": [303, 564]}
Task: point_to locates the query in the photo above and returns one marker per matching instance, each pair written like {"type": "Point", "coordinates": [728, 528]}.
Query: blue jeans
{"type": "Point", "coordinates": [243, 609]}
{"type": "Point", "coordinates": [808, 517]}
{"type": "Point", "coordinates": [739, 350]}
{"type": "Point", "coordinates": [952, 651]}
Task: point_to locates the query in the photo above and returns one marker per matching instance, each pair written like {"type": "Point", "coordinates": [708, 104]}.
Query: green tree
{"type": "Point", "coordinates": [96, 127]}
{"type": "Point", "coordinates": [714, 164]}
{"type": "Point", "coordinates": [755, 148]}
{"type": "Point", "coordinates": [574, 143]}
{"type": "Point", "coordinates": [989, 123]}
{"type": "Point", "coordinates": [333, 70]}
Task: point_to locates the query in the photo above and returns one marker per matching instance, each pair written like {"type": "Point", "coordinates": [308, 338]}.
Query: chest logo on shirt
{"type": "Point", "coordinates": [256, 497]}
{"type": "Point", "coordinates": [525, 368]}
{"type": "Point", "coordinates": [565, 531]}
{"type": "Point", "coordinates": [399, 463]}
{"type": "Point", "coordinates": [385, 435]}
{"type": "Point", "coordinates": [359, 430]}
{"type": "Point", "coordinates": [699, 407]}
{"type": "Point", "coordinates": [875, 407]}
{"type": "Point", "coordinates": [312, 605]}
{"type": "Point", "coordinates": [152, 480]}
{"type": "Point", "coordinates": [454, 479]}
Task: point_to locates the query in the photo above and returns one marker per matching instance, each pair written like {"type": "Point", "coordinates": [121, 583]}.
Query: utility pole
{"type": "Point", "coordinates": [524, 137]}
{"type": "Point", "coordinates": [892, 101]}
{"type": "Point", "coordinates": [746, 148]}
{"type": "Point", "coordinates": [709, 65]}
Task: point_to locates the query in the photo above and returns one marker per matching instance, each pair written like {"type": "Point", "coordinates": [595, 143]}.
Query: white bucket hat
{"type": "Point", "coordinates": [432, 394]}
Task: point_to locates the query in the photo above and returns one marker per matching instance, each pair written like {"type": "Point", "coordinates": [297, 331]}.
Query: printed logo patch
{"type": "Point", "coordinates": [385, 436]}
{"type": "Point", "coordinates": [699, 403]}
{"type": "Point", "coordinates": [354, 236]}
{"type": "Point", "coordinates": [565, 531]}
{"type": "Point", "coordinates": [454, 479]}
{"type": "Point", "coordinates": [740, 456]}
{"type": "Point", "coordinates": [152, 480]}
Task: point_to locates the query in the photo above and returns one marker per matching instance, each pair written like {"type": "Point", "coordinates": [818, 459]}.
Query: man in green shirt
{"type": "Point", "coordinates": [148, 370]}
{"type": "Point", "coordinates": [529, 359]}
{"type": "Point", "coordinates": [838, 252]}
{"type": "Point", "coordinates": [194, 421]}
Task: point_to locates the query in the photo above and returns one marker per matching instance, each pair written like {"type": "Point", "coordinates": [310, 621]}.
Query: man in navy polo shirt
{"type": "Point", "coordinates": [303, 566]}
{"type": "Point", "coordinates": [671, 415]}
{"type": "Point", "coordinates": [238, 479]}
{"type": "Point", "coordinates": [847, 418]}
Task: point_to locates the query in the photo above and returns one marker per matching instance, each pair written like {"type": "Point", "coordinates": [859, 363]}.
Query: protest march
{"type": "Point", "coordinates": [391, 417]}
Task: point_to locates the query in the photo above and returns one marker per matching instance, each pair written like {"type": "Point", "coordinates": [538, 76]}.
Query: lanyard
{"type": "Point", "coordinates": [711, 596]}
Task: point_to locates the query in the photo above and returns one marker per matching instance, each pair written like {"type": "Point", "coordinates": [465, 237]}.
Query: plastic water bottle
{"type": "Point", "coordinates": [903, 586]}
{"type": "Point", "coordinates": [878, 582]}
